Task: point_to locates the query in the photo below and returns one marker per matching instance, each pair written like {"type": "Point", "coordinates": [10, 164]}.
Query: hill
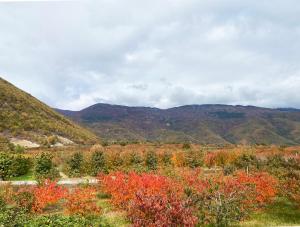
{"type": "Point", "coordinates": [24, 117]}
{"type": "Point", "coordinates": [209, 124]}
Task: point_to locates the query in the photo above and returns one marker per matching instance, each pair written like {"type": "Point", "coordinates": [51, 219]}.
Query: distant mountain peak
{"type": "Point", "coordinates": [208, 123]}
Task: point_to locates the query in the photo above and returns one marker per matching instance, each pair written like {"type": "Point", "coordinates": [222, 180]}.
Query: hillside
{"type": "Point", "coordinates": [213, 124]}
{"type": "Point", "coordinates": [24, 117]}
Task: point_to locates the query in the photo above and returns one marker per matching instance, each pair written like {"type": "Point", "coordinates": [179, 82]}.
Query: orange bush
{"type": "Point", "coordinates": [123, 187]}
{"type": "Point", "coordinates": [149, 199]}
{"type": "Point", "coordinates": [48, 193]}
{"type": "Point", "coordinates": [82, 201]}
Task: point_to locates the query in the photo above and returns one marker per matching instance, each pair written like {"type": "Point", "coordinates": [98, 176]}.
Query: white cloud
{"type": "Point", "coordinates": [72, 54]}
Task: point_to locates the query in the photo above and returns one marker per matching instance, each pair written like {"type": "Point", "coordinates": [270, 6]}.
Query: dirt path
{"type": "Point", "coordinates": [67, 181]}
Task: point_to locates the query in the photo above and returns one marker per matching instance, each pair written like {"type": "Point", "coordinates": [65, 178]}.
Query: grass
{"type": "Point", "coordinates": [111, 216]}
{"type": "Point", "coordinates": [27, 177]}
{"type": "Point", "coordinates": [281, 213]}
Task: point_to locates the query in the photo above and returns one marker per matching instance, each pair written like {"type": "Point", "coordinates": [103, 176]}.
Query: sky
{"type": "Point", "coordinates": [157, 53]}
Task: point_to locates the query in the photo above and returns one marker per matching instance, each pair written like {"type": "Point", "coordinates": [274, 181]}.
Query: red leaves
{"type": "Point", "coordinates": [82, 201]}
{"type": "Point", "coordinates": [264, 185]}
{"type": "Point", "coordinates": [151, 200]}
{"type": "Point", "coordinates": [123, 187]}
{"type": "Point", "coordinates": [77, 201]}
{"type": "Point", "coordinates": [49, 193]}
{"type": "Point", "coordinates": [157, 210]}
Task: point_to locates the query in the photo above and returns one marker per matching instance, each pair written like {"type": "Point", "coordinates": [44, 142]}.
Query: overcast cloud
{"type": "Point", "coordinates": [160, 53]}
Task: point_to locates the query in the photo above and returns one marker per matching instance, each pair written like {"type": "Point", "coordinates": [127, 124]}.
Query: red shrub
{"type": "Point", "coordinates": [158, 210]}
{"type": "Point", "coordinates": [48, 193]}
{"type": "Point", "coordinates": [123, 187]}
{"type": "Point", "coordinates": [264, 185]}
{"type": "Point", "coordinates": [82, 201]}
{"type": "Point", "coordinates": [151, 200]}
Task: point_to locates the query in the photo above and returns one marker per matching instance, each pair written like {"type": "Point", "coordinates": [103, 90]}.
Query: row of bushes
{"type": "Point", "coordinates": [80, 164]}
{"type": "Point", "coordinates": [37, 199]}
{"type": "Point", "coordinates": [189, 199]}
{"type": "Point", "coordinates": [11, 216]}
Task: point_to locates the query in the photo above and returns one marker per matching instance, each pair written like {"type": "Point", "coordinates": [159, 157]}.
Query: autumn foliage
{"type": "Point", "coordinates": [151, 200]}
{"type": "Point", "coordinates": [82, 201]}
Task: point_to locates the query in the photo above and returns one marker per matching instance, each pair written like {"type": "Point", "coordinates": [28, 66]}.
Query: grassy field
{"type": "Point", "coordinates": [281, 213]}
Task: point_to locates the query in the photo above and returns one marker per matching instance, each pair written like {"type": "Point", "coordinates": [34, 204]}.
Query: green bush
{"type": "Point", "coordinates": [63, 221]}
{"type": "Point", "coordinates": [21, 165]}
{"type": "Point", "coordinates": [13, 166]}
{"type": "Point", "coordinates": [75, 164]}
{"type": "Point", "coordinates": [6, 162]}
{"type": "Point", "coordinates": [151, 160]}
{"type": "Point", "coordinates": [98, 163]}
{"type": "Point", "coordinates": [194, 159]}
{"type": "Point", "coordinates": [247, 162]}
{"type": "Point", "coordinates": [14, 217]}
{"type": "Point", "coordinates": [166, 158]}
{"type": "Point", "coordinates": [44, 167]}
{"type": "Point", "coordinates": [186, 146]}
{"type": "Point", "coordinates": [11, 216]}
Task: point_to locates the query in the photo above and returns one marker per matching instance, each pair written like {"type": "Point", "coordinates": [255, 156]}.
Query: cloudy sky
{"type": "Point", "coordinates": [161, 53]}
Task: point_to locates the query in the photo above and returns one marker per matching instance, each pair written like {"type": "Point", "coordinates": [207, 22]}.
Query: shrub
{"type": "Point", "coordinates": [194, 159]}
{"type": "Point", "coordinates": [158, 210]}
{"type": "Point", "coordinates": [151, 160]}
{"type": "Point", "coordinates": [98, 163]}
{"type": "Point", "coordinates": [220, 158]}
{"type": "Point", "coordinates": [222, 200]}
{"type": "Point", "coordinates": [6, 162]}
{"type": "Point", "coordinates": [96, 148]}
{"type": "Point", "coordinates": [11, 165]}
{"type": "Point", "coordinates": [247, 162]}
{"type": "Point", "coordinates": [48, 193]}
{"type": "Point", "coordinates": [44, 168]}
{"type": "Point", "coordinates": [149, 199]}
{"type": "Point", "coordinates": [186, 146]}
{"type": "Point", "coordinates": [114, 160]}
{"type": "Point", "coordinates": [123, 187]}
{"type": "Point", "coordinates": [75, 164]}
{"type": "Point", "coordinates": [24, 199]}
{"type": "Point", "coordinates": [63, 221]}
{"type": "Point", "coordinates": [82, 201]}
{"type": "Point", "coordinates": [21, 165]}
{"type": "Point", "coordinates": [11, 217]}
{"type": "Point", "coordinates": [166, 158]}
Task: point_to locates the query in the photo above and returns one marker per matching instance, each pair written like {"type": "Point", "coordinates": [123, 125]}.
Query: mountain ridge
{"type": "Point", "coordinates": [208, 123]}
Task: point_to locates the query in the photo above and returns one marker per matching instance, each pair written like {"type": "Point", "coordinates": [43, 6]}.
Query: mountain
{"type": "Point", "coordinates": [209, 124]}
{"type": "Point", "coordinates": [24, 117]}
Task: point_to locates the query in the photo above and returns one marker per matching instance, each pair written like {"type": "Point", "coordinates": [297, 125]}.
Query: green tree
{"type": "Point", "coordinates": [6, 162]}
{"type": "Point", "coordinates": [98, 163]}
{"type": "Point", "coordinates": [151, 160]}
{"type": "Point", "coordinates": [44, 167]}
{"type": "Point", "coordinates": [194, 159]}
{"type": "Point", "coordinates": [75, 164]}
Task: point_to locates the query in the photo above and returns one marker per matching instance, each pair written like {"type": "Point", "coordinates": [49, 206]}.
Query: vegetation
{"type": "Point", "coordinates": [44, 167]}
{"type": "Point", "coordinates": [160, 185]}
{"type": "Point", "coordinates": [202, 124]}
{"type": "Point", "coordinates": [13, 165]}
{"type": "Point", "coordinates": [24, 116]}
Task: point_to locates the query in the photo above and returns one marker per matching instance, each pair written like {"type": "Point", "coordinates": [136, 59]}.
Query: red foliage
{"type": "Point", "coordinates": [48, 193]}
{"type": "Point", "coordinates": [82, 201]}
{"type": "Point", "coordinates": [264, 185]}
{"type": "Point", "coordinates": [151, 200]}
{"type": "Point", "coordinates": [257, 188]}
{"type": "Point", "coordinates": [158, 210]}
{"type": "Point", "coordinates": [123, 187]}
